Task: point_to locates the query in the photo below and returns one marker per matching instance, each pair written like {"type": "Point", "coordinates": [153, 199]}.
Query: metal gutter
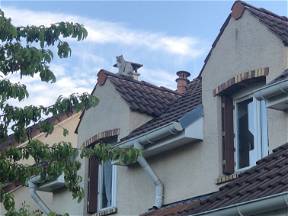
{"type": "Point", "coordinates": [154, 135]}
{"type": "Point", "coordinates": [257, 206]}
{"type": "Point", "coordinates": [166, 130]}
{"type": "Point", "coordinates": [272, 90]}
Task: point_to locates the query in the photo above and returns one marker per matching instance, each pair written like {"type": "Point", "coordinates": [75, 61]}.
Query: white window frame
{"type": "Point", "coordinates": [261, 136]}
{"type": "Point", "coordinates": [114, 189]}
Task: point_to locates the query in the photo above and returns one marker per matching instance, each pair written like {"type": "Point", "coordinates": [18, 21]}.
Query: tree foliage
{"type": "Point", "coordinates": [28, 51]}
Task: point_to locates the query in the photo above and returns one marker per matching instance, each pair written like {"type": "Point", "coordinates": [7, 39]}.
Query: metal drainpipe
{"type": "Point", "coordinates": [159, 188]}
{"type": "Point", "coordinates": [37, 199]}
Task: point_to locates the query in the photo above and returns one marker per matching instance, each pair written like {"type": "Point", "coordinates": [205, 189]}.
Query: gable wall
{"type": "Point", "coordinates": [245, 44]}
{"type": "Point", "coordinates": [111, 112]}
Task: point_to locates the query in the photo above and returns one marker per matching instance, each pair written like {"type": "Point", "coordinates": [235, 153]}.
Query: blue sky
{"type": "Point", "coordinates": [164, 36]}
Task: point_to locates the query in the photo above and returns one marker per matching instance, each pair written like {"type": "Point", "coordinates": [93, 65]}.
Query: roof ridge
{"type": "Point", "coordinates": [263, 10]}
{"type": "Point", "coordinates": [161, 88]}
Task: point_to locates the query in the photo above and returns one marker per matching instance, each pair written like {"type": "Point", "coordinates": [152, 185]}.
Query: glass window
{"type": "Point", "coordinates": [106, 184]}
{"type": "Point", "coordinates": [251, 131]}
{"type": "Point", "coordinates": [107, 180]}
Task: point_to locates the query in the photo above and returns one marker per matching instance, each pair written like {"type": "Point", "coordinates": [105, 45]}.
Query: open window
{"type": "Point", "coordinates": [101, 183]}
{"type": "Point", "coordinates": [244, 129]}
{"type": "Point", "coordinates": [107, 186]}
{"type": "Point", "coordinates": [250, 129]}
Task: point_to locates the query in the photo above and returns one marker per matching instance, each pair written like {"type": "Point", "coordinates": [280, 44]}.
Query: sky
{"type": "Point", "coordinates": [164, 36]}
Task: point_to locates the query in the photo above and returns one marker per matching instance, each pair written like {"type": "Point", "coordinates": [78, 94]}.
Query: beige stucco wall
{"type": "Point", "coordinates": [61, 201]}
{"type": "Point", "coordinates": [111, 112]}
{"type": "Point", "coordinates": [246, 44]}
{"type": "Point", "coordinates": [192, 170]}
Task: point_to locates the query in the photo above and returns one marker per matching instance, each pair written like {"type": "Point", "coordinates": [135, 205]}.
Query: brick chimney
{"type": "Point", "coordinates": [182, 81]}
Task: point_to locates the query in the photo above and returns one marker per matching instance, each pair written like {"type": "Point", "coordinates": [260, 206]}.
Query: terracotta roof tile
{"type": "Point", "coordinates": [142, 96]}
{"type": "Point", "coordinates": [268, 177]}
{"type": "Point", "coordinates": [176, 110]}
{"type": "Point", "coordinates": [176, 208]}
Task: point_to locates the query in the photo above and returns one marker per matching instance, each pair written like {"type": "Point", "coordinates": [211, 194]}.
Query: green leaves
{"type": "Point", "coordinates": [25, 50]}
{"type": "Point", "coordinates": [104, 152]}
{"type": "Point", "coordinates": [65, 132]}
{"type": "Point", "coordinates": [10, 90]}
{"type": "Point", "coordinates": [64, 49]}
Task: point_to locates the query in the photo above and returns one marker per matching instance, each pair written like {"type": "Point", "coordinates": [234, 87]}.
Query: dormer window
{"type": "Point", "coordinates": [244, 120]}
{"type": "Point", "coordinates": [250, 129]}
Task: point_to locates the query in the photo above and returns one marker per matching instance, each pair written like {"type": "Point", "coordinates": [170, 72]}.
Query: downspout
{"type": "Point", "coordinates": [159, 188]}
{"type": "Point", "coordinates": [37, 199]}
{"type": "Point", "coordinates": [152, 137]}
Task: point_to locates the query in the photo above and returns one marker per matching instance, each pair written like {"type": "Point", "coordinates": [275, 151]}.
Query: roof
{"type": "Point", "coordinates": [142, 96]}
{"type": "Point", "coordinates": [181, 106]}
{"type": "Point", "coordinates": [277, 24]}
{"type": "Point", "coordinates": [34, 130]}
{"type": "Point", "coordinates": [176, 207]}
{"type": "Point", "coordinates": [268, 177]}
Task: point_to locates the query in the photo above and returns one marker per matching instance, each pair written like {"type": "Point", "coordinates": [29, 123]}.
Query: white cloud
{"type": "Point", "coordinates": [159, 77]}
{"type": "Point", "coordinates": [103, 32]}
{"type": "Point", "coordinates": [79, 74]}
{"type": "Point", "coordinates": [42, 93]}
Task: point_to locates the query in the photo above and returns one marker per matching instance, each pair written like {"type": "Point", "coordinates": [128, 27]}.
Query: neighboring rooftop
{"type": "Point", "coordinates": [191, 99]}
{"type": "Point", "coordinates": [34, 130]}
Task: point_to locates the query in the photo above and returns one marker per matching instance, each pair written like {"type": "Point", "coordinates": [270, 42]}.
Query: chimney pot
{"type": "Point", "coordinates": [182, 81]}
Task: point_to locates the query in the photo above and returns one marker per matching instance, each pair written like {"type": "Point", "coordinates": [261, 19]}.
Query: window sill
{"type": "Point", "coordinates": [106, 211]}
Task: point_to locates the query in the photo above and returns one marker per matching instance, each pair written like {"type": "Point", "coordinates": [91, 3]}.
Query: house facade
{"type": "Point", "coordinates": [212, 129]}
{"type": "Point", "coordinates": [214, 146]}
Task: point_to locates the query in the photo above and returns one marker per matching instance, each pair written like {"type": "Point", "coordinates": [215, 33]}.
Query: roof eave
{"type": "Point", "coordinates": [260, 205]}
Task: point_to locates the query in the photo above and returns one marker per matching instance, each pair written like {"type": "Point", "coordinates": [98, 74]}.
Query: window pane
{"type": "Point", "coordinates": [106, 200]}
{"type": "Point", "coordinates": [245, 122]}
